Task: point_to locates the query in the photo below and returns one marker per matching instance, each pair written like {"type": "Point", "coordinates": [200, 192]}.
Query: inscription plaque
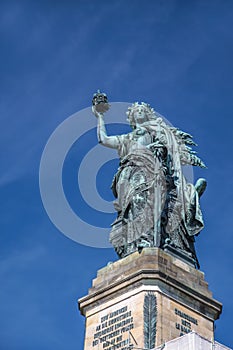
{"type": "Point", "coordinates": [113, 331]}
{"type": "Point", "coordinates": [186, 321]}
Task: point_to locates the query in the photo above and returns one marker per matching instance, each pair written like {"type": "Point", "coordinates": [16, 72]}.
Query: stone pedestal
{"type": "Point", "coordinates": [145, 300]}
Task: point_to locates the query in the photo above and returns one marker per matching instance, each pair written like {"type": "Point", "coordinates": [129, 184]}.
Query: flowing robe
{"type": "Point", "coordinates": [154, 202]}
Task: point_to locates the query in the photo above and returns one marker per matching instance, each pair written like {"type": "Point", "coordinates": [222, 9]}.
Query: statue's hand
{"type": "Point", "coordinates": [96, 113]}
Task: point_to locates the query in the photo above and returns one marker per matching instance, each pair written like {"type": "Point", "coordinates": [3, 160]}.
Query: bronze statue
{"type": "Point", "coordinates": [156, 206]}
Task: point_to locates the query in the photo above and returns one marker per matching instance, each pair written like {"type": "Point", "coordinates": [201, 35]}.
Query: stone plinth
{"type": "Point", "coordinates": [146, 300]}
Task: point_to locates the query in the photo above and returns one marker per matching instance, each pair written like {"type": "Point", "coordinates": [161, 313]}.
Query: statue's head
{"type": "Point", "coordinates": [140, 113]}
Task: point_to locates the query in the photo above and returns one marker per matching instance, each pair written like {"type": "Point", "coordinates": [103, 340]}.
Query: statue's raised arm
{"type": "Point", "coordinates": [155, 204]}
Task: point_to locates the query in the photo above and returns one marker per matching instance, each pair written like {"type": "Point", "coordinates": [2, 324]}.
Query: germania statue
{"type": "Point", "coordinates": [156, 206]}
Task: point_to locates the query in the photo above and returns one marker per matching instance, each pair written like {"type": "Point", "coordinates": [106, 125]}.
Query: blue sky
{"type": "Point", "coordinates": [175, 55]}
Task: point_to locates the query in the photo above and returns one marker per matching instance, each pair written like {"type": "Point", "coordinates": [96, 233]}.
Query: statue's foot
{"type": "Point", "coordinates": [142, 244]}
{"type": "Point", "coordinates": [168, 241]}
{"type": "Point", "coordinates": [200, 186]}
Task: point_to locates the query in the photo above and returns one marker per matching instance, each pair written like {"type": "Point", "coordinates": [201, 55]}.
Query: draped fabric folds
{"type": "Point", "coordinates": [155, 204]}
